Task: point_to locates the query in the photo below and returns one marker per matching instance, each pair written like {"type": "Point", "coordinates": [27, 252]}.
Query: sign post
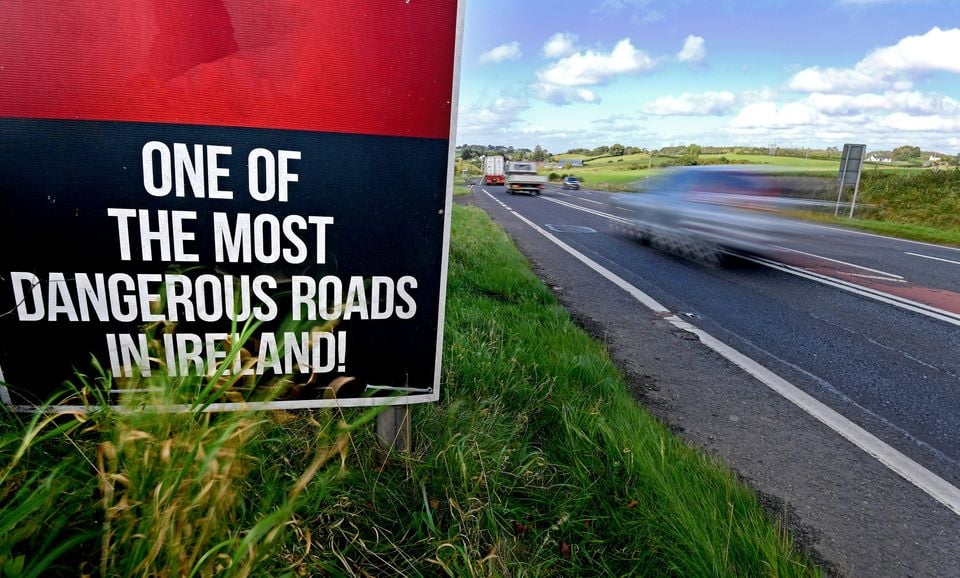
{"type": "Point", "coordinates": [199, 195]}
{"type": "Point", "coordinates": [851, 166]}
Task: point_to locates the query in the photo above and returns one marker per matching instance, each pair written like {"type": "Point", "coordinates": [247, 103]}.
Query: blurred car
{"type": "Point", "coordinates": [571, 183]}
{"type": "Point", "coordinates": [704, 212]}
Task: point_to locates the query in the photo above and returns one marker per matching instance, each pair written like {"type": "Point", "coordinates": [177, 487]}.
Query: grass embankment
{"type": "Point", "coordinates": [536, 462]}
{"type": "Point", "coordinates": [920, 205]}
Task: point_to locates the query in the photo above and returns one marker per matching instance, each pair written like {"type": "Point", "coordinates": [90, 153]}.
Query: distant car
{"type": "Point", "coordinates": [704, 212]}
{"type": "Point", "coordinates": [571, 183]}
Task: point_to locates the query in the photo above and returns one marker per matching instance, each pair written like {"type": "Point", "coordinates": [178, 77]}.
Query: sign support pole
{"type": "Point", "coordinates": [844, 160]}
{"type": "Point", "coordinates": [856, 189]}
{"type": "Point", "coordinates": [393, 428]}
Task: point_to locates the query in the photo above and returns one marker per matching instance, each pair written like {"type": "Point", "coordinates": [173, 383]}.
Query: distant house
{"type": "Point", "coordinates": [565, 163]}
{"type": "Point", "coordinates": [876, 159]}
{"type": "Point", "coordinates": [934, 159]}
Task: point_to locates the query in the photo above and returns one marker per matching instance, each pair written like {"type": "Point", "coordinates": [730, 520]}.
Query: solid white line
{"type": "Point", "coordinates": [922, 478]}
{"type": "Point", "coordinates": [931, 257]}
{"type": "Point", "coordinates": [640, 296]}
{"type": "Point", "coordinates": [839, 261]}
{"type": "Point", "coordinates": [889, 299]}
{"type": "Point", "coordinates": [903, 303]}
{"type": "Point", "coordinates": [877, 277]}
{"type": "Point", "coordinates": [919, 476]}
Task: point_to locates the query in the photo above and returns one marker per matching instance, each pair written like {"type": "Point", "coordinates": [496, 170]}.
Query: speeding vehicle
{"type": "Point", "coordinates": [706, 212]}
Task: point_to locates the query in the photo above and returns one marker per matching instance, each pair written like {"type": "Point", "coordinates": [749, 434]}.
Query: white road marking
{"type": "Point", "coordinates": [890, 299]}
{"type": "Point", "coordinates": [564, 194]}
{"type": "Point", "coordinates": [935, 486]}
{"type": "Point", "coordinates": [591, 201]}
{"type": "Point", "coordinates": [883, 297]}
{"type": "Point", "coordinates": [877, 277]}
{"type": "Point", "coordinates": [931, 257]}
{"type": "Point", "coordinates": [877, 271]}
{"type": "Point", "coordinates": [586, 210]}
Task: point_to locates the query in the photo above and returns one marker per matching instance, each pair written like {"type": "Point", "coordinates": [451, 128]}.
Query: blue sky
{"type": "Point", "coordinates": [651, 73]}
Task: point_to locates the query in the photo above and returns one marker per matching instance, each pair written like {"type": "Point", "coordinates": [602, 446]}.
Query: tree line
{"type": "Point", "coordinates": [689, 153]}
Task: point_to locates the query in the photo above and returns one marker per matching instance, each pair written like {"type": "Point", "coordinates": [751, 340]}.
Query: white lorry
{"type": "Point", "coordinates": [493, 170]}
{"type": "Point", "coordinates": [522, 177]}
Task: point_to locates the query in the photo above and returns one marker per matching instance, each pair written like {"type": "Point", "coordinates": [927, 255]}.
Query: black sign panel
{"type": "Point", "coordinates": [267, 213]}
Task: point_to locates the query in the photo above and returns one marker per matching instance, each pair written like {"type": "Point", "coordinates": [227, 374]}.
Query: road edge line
{"type": "Point", "coordinates": [922, 478]}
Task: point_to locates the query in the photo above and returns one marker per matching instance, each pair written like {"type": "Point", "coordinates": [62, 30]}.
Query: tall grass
{"type": "Point", "coordinates": [535, 462]}
{"type": "Point", "coordinates": [923, 205]}
{"type": "Point", "coordinates": [927, 198]}
{"type": "Point", "coordinates": [138, 490]}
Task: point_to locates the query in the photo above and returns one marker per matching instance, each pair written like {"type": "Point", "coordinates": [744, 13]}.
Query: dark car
{"type": "Point", "coordinates": [704, 212]}
{"type": "Point", "coordinates": [571, 183]}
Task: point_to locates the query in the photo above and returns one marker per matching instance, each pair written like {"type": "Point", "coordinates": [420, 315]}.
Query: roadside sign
{"type": "Point", "coordinates": [851, 166]}
{"type": "Point", "coordinates": [171, 177]}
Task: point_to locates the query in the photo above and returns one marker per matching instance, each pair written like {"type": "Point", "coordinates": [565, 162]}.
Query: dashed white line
{"type": "Point", "coordinates": [932, 257]}
{"type": "Point", "coordinates": [935, 486]}
{"type": "Point", "coordinates": [586, 210]}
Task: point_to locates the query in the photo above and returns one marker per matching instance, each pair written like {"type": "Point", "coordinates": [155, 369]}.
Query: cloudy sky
{"type": "Point", "coordinates": [651, 73]}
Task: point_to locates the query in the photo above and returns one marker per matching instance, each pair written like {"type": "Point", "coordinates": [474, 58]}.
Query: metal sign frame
{"type": "Point", "coordinates": [851, 163]}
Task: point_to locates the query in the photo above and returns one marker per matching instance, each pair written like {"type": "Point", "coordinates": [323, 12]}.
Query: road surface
{"type": "Point", "coordinates": [827, 375]}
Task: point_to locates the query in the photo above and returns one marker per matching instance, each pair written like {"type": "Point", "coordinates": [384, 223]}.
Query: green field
{"type": "Point", "coordinates": [792, 163]}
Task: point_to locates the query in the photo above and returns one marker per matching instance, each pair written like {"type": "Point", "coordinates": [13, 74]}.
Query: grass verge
{"type": "Point", "coordinates": [898, 230]}
{"type": "Point", "coordinates": [536, 462]}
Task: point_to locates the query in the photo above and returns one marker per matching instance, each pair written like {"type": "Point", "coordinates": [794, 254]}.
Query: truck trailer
{"type": "Point", "coordinates": [493, 170]}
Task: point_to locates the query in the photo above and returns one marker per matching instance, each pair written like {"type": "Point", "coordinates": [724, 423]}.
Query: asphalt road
{"type": "Point", "coordinates": [826, 375]}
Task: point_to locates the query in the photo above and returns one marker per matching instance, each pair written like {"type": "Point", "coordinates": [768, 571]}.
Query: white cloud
{"type": "Point", "coordinates": [689, 104]}
{"type": "Point", "coordinates": [496, 117]}
{"type": "Point", "coordinates": [560, 44]}
{"type": "Point", "coordinates": [875, 100]}
{"type": "Point", "coordinates": [591, 68]}
{"type": "Point", "coordinates": [889, 67]}
{"type": "Point", "coordinates": [936, 50]}
{"type": "Point", "coordinates": [904, 122]}
{"type": "Point", "coordinates": [834, 80]}
{"type": "Point", "coordinates": [555, 94]}
{"type": "Point", "coordinates": [770, 115]}
{"type": "Point", "coordinates": [912, 102]}
{"type": "Point", "coordinates": [693, 50]}
{"type": "Point", "coordinates": [510, 51]}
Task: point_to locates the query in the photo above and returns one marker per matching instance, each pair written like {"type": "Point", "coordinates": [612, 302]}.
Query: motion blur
{"type": "Point", "coordinates": [704, 212]}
